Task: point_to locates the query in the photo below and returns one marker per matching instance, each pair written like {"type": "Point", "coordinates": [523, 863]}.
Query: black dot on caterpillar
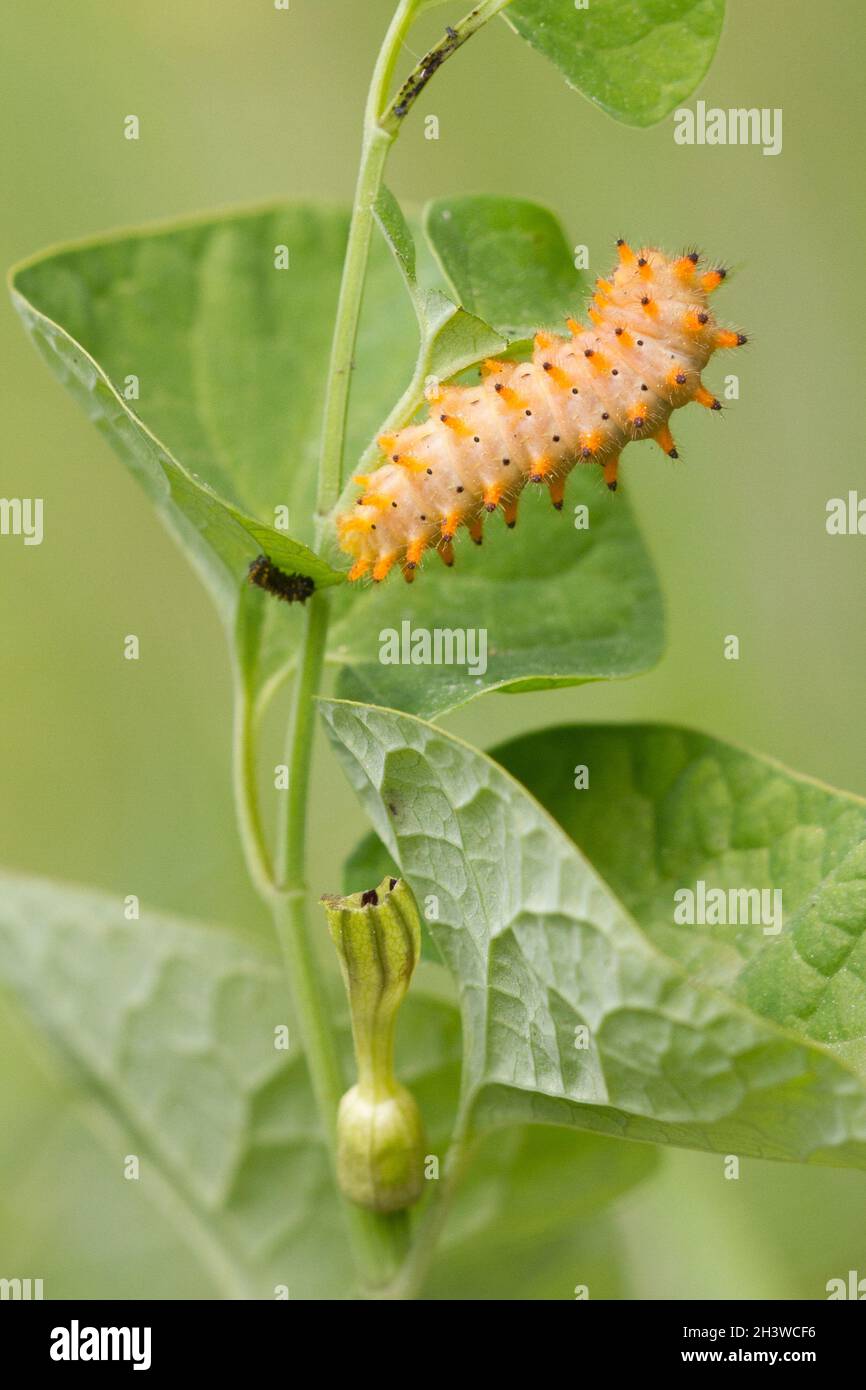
{"type": "Point", "coordinates": [291, 588]}
{"type": "Point", "coordinates": [650, 336]}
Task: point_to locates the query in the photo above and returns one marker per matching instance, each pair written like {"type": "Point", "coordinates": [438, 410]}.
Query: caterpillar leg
{"type": "Point", "coordinates": [358, 570]}
{"type": "Point", "coordinates": [540, 469]}
{"type": "Point", "coordinates": [665, 441]}
{"type": "Point", "coordinates": [383, 567]}
{"type": "Point", "coordinates": [557, 491]}
{"type": "Point", "coordinates": [611, 469]}
{"type": "Point", "coordinates": [414, 551]}
{"type": "Point", "coordinates": [509, 511]}
{"type": "Point", "coordinates": [476, 530]}
{"type": "Point", "coordinates": [491, 496]}
{"type": "Point", "coordinates": [446, 550]}
{"type": "Point", "coordinates": [712, 279]}
{"type": "Point", "coordinates": [706, 398]}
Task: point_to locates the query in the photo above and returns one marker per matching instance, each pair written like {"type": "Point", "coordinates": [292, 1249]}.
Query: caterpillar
{"type": "Point", "coordinates": [291, 588]}
{"type": "Point", "coordinates": [580, 399]}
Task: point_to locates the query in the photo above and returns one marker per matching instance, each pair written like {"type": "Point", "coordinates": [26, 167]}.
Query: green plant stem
{"type": "Point", "coordinates": [379, 1242]}
{"type": "Point", "coordinates": [455, 37]}
{"type": "Point", "coordinates": [252, 835]}
{"type": "Point", "coordinates": [410, 1277]}
{"type": "Point", "coordinates": [374, 152]}
{"type": "Point", "coordinates": [314, 1013]}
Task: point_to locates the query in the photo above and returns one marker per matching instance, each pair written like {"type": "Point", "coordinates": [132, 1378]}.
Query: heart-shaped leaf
{"type": "Point", "coordinates": [667, 809]}
{"type": "Point", "coordinates": [170, 1033]}
{"type": "Point", "coordinates": [636, 61]}
{"type": "Point", "coordinates": [571, 1012]}
{"type": "Point", "coordinates": [201, 350]}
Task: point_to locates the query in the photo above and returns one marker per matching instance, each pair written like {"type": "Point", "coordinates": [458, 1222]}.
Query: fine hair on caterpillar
{"type": "Point", "coordinates": [579, 399]}
{"type": "Point", "coordinates": [291, 588]}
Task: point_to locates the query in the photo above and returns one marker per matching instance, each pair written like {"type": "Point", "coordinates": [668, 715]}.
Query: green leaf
{"type": "Point", "coordinates": [530, 1221]}
{"type": "Point", "coordinates": [450, 339]}
{"type": "Point", "coordinates": [366, 866]}
{"type": "Point", "coordinates": [554, 605]}
{"type": "Point", "coordinates": [637, 61]}
{"type": "Point", "coordinates": [165, 1030]}
{"type": "Point", "coordinates": [231, 359]}
{"type": "Point", "coordinates": [667, 808]}
{"type": "Point", "coordinates": [169, 1027]}
{"type": "Point", "coordinates": [398, 235]}
{"type": "Point", "coordinates": [204, 365]}
{"type": "Point", "coordinates": [231, 356]}
{"type": "Point", "coordinates": [507, 261]}
{"type": "Point", "coordinates": [540, 947]}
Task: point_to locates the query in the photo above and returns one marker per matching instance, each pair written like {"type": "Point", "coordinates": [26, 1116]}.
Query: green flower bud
{"type": "Point", "coordinates": [380, 1134]}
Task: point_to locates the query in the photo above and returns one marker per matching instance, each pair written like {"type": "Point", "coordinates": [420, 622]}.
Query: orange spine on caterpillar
{"type": "Point", "coordinates": [579, 399]}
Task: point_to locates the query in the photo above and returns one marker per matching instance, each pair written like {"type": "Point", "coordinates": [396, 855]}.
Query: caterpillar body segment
{"type": "Point", "coordinates": [581, 398]}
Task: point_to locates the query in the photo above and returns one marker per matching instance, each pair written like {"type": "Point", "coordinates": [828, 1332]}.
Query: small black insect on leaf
{"type": "Point", "coordinates": [291, 588]}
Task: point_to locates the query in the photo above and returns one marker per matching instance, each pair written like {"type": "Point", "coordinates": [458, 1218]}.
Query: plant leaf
{"type": "Point", "coordinates": [165, 1029]}
{"type": "Point", "coordinates": [507, 261]}
{"type": "Point", "coordinates": [169, 1025]}
{"type": "Point", "coordinates": [636, 61]}
{"type": "Point", "coordinates": [554, 605]}
{"type": "Point", "coordinates": [540, 947]}
{"type": "Point", "coordinates": [667, 808]}
{"type": "Point", "coordinates": [530, 1220]}
{"type": "Point", "coordinates": [231, 359]}
{"type": "Point", "coordinates": [450, 339]}
{"type": "Point", "coordinates": [204, 365]}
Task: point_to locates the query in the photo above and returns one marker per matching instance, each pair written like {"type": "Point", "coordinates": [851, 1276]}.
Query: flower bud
{"type": "Point", "coordinates": [380, 1134]}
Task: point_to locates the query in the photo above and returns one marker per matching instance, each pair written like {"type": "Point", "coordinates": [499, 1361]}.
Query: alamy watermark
{"type": "Point", "coordinates": [77, 1343]}
{"type": "Point", "coordinates": [729, 907]}
{"type": "Point", "coordinates": [22, 1290]}
{"type": "Point", "coordinates": [852, 1287]}
{"type": "Point", "coordinates": [736, 125]}
{"type": "Point", "coordinates": [846, 516]}
{"type": "Point", "coordinates": [22, 516]}
{"type": "Point", "coordinates": [438, 646]}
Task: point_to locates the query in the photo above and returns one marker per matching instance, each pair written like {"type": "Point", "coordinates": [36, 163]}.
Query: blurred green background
{"type": "Point", "coordinates": [117, 774]}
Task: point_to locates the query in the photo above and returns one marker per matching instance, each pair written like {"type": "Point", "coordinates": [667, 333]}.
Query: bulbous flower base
{"type": "Point", "coordinates": [380, 1149]}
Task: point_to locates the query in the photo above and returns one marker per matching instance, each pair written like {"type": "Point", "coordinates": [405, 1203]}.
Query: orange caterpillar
{"type": "Point", "coordinates": [579, 400]}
